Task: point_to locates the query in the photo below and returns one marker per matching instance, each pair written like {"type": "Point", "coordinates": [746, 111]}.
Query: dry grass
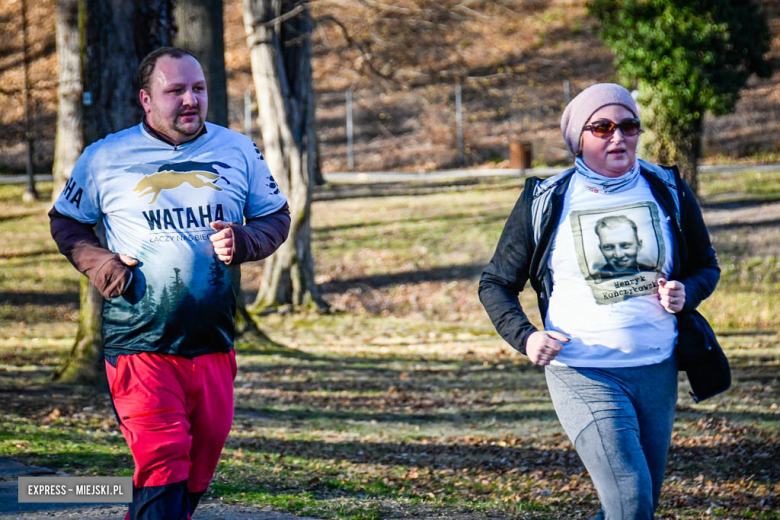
{"type": "Point", "coordinates": [408, 405]}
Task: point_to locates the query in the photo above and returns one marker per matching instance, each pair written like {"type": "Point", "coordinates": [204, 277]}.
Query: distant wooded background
{"type": "Point", "coordinates": [402, 60]}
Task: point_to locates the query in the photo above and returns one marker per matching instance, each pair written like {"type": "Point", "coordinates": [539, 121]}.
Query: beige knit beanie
{"type": "Point", "coordinates": [586, 104]}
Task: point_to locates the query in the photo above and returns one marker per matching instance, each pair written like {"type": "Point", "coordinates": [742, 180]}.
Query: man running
{"type": "Point", "coordinates": [173, 194]}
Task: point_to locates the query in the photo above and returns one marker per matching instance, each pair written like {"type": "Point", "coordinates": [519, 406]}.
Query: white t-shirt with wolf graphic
{"type": "Point", "coordinates": [157, 202]}
{"type": "Point", "coordinates": [608, 253]}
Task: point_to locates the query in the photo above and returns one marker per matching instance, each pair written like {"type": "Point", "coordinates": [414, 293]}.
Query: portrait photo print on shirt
{"type": "Point", "coordinates": [620, 250]}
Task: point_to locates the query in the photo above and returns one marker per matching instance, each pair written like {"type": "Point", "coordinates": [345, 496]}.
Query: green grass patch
{"type": "Point", "coordinates": [745, 185]}
{"type": "Point", "coordinates": [404, 402]}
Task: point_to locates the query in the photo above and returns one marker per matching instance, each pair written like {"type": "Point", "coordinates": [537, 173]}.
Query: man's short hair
{"type": "Point", "coordinates": [614, 221]}
{"type": "Point", "coordinates": [147, 65]}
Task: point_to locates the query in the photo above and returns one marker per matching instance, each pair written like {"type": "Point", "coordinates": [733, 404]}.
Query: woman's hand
{"type": "Point", "coordinates": [543, 345]}
{"type": "Point", "coordinates": [672, 295]}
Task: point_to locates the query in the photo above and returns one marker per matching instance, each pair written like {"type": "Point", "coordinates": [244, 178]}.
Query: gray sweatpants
{"type": "Point", "coordinates": [620, 421]}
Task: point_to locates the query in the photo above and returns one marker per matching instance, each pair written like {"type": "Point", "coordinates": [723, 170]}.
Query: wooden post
{"type": "Point", "coordinates": [520, 155]}
{"type": "Point", "coordinates": [527, 156]}
{"type": "Point", "coordinates": [515, 155]}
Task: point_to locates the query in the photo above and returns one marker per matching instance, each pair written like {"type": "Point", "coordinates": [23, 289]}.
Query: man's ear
{"type": "Point", "coordinates": [146, 100]}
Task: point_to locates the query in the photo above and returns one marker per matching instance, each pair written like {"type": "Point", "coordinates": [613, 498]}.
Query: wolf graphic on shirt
{"type": "Point", "coordinates": [174, 175]}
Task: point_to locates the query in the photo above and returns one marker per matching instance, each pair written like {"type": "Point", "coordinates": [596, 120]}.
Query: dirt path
{"type": "Point", "coordinates": [214, 511]}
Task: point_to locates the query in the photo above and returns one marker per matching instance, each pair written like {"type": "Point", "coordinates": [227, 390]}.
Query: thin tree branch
{"type": "Point", "coordinates": [350, 42]}
{"type": "Point", "coordinates": [476, 14]}
{"type": "Point", "coordinates": [394, 8]}
{"type": "Point", "coordinates": [292, 13]}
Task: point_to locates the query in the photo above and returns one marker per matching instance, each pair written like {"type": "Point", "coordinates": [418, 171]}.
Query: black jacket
{"type": "Point", "coordinates": [518, 259]}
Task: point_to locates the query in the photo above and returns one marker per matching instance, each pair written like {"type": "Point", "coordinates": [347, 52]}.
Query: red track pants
{"type": "Point", "coordinates": [175, 414]}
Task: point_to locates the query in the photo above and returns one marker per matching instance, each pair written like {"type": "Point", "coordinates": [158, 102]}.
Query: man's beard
{"type": "Point", "coordinates": [184, 129]}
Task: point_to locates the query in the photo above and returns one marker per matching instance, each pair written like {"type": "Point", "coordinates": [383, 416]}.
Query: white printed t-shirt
{"type": "Point", "coordinates": [609, 251]}
{"type": "Point", "coordinates": [157, 201]}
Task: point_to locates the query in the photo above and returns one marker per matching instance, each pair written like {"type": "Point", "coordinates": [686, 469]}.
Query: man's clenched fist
{"type": "Point", "coordinates": [222, 240]}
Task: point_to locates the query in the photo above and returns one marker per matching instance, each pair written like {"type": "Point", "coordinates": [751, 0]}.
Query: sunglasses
{"type": "Point", "coordinates": [605, 128]}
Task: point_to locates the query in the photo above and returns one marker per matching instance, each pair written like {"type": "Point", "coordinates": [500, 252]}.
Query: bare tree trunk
{"type": "Point", "coordinates": [116, 36]}
{"type": "Point", "coordinates": [84, 363]}
{"type": "Point", "coordinates": [279, 39]}
{"type": "Point", "coordinates": [30, 193]}
{"type": "Point", "coordinates": [319, 179]}
{"type": "Point", "coordinates": [70, 139]}
{"type": "Point", "coordinates": [688, 152]}
{"type": "Point", "coordinates": [200, 31]}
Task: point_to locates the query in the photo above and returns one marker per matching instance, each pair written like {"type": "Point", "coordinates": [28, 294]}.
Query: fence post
{"type": "Point", "coordinates": [350, 140]}
{"type": "Point", "coordinates": [520, 156]}
{"type": "Point", "coordinates": [248, 113]}
{"type": "Point", "coordinates": [459, 119]}
{"type": "Point", "coordinates": [566, 92]}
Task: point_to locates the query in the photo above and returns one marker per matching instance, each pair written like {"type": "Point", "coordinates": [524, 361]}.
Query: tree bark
{"type": "Point", "coordinates": [69, 141]}
{"type": "Point", "coordinates": [116, 35]}
{"type": "Point", "coordinates": [84, 362]}
{"type": "Point", "coordinates": [319, 179]}
{"type": "Point", "coordinates": [688, 152]}
{"type": "Point", "coordinates": [200, 31]}
{"type": "Point", "coordinates": [279, 39]}
{"type": "Point", "coordinates": [31, 193]}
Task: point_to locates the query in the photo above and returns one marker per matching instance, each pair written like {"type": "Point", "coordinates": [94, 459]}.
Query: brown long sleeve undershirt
{"type": "Point", "coordinates": [261, 236]}
{"type": "Point", "coordinates": [255, 240]}
{"type": "Point", "coordinates": [81, 246]}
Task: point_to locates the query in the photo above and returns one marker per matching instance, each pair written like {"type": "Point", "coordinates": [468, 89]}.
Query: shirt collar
{"type": "Point", "coordinates": [162, 137]}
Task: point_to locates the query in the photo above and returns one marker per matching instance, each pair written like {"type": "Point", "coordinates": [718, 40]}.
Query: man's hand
{"type": "Point", "coordinates": [114, 276]}
{"type": "Point", "coordinates": [672, 295]}
{"type": "Point", "coordinates": [543, 345]}
{"type": "Point", "coordinates": [223, 241]}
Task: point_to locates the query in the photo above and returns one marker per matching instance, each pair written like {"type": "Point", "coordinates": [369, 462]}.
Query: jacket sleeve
{"type": "Point", "coordinates": [507, 274]}
{"type": "Point", "coordinates": [81, 246]}
{"type": "Point", "coordinates": [260, 236]}
{"type": "Point", "coordinates": [701, 274]}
